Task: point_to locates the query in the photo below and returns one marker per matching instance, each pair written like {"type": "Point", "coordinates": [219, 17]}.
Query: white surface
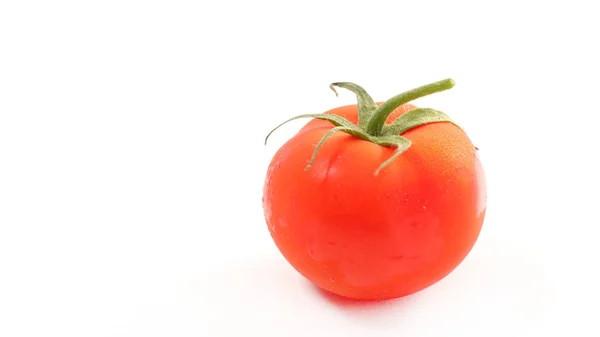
{"type": "Point", "coordinates": [131, 162]}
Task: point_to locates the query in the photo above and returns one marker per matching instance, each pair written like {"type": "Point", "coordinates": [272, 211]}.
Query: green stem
{"type": "Point", "coordinates": [365, 103]}
{"type": "Point", "coordinates": [334, 119]}
{"type": "Point", "coordinates": [327, 135]}
{"type": "Point", "coordinates": [372, 127]}
{"type": "Point", "coordinates": [377, 121]}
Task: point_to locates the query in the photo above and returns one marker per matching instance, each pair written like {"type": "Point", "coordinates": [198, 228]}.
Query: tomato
{"type": "Point", "coordinates": [375, 236]}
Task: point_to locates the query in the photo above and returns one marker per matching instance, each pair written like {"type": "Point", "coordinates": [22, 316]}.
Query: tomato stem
{"type": "Point", "coordinates": [379, 116]}
{"type": "Point", "coordinates": [371, 124]}
{"type": "Point", "coordinates": [365, 104]}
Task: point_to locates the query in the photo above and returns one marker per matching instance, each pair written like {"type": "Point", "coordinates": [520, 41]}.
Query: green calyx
{"type": "Point", "coordinates": [371, 124]}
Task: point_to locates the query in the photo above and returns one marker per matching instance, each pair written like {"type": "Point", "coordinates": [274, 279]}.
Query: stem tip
{"type": "Point", "coordinates": [331, 86]}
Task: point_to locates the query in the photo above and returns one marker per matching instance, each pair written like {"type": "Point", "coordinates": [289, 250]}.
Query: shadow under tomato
{"type": "Point", "coordinates": [345, 302]}
{"type": "Point", "coordinates": [370, 312]}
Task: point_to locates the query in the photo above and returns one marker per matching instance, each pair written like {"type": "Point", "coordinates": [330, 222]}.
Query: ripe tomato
{"type": "Point", "coordinates": [375, 236]}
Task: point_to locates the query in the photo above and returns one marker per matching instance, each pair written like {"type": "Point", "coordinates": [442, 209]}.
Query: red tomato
{"type": "Point", "coordinates": [373, 237]}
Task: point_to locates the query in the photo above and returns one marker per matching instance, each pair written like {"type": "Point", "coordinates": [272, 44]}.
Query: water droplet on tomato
{"type": "Point", "coordinates": [332, 280]}
{"type": "Point", "coordinates": [282, 222]}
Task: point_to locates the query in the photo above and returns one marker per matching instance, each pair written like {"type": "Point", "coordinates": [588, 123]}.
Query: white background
{"type": "Point", "coordinates": [132, 162]}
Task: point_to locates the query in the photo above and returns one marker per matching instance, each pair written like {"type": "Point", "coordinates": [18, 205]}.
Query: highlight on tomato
{"type": "Point", "coordinates": [375, 201]}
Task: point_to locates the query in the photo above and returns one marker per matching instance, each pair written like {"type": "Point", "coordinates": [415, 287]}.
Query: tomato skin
{"type": "Point", "coordinates": [371, 237]}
